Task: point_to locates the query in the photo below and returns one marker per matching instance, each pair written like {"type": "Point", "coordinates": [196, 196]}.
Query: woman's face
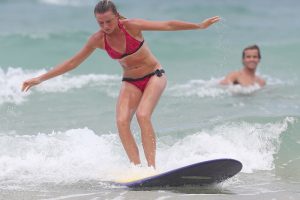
{"type": "Point", "coordinates": [107, 21]}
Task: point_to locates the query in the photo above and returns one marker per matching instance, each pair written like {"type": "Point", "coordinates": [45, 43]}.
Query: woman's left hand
{"type": "Point", "coordinates": [207, 22]}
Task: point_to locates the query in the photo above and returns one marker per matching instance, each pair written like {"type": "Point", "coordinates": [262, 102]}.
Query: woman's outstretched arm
{"type": "Point", "coordinates": [64, 67]}
{"type": "Point", "coordinates": [172, 25]}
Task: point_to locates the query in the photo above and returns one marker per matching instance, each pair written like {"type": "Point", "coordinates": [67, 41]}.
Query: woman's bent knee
{"type": "Point", "coordinates": [143, 117]}
{"type": "Point", "coordinates": [123, 122]}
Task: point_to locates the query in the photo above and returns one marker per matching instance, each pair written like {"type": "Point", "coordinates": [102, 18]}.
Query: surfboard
{"type": "Point", "coordinates": [202, 173]}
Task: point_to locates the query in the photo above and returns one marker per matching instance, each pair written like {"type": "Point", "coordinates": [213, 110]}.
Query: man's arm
{"type": "Point", "coordinates": [261, 81]}
{"type": "Point", "coordinates": [229, 79]}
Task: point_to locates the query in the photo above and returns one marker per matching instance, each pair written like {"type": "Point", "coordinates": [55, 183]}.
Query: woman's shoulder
{"type": "Point", "coordinates": [133, 23]}
{"type": "Point", "coordinates": [98, 35]}
{"type": "Point", "coordinates": [96, 39]}
{"type": "Point", "coordinates": [127, 22]}
{"type": "Point", "coordinates": [132, 26]}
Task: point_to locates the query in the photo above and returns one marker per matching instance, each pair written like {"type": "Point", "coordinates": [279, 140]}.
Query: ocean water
{"type": "Point", "coordinates": [59, 140]}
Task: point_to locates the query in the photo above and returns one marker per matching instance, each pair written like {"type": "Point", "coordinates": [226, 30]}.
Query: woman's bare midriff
{"type": "Point", "coordinates": [139, 63]}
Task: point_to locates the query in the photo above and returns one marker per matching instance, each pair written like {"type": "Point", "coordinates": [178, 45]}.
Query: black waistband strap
{"type": "Point", "coordinates": [158, 72]}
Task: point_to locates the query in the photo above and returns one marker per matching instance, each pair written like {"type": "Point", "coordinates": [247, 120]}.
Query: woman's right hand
{"type": "Point", "coordinates": [29, 83]}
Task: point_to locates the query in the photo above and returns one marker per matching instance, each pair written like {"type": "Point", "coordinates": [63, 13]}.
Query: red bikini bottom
{"type": "Point", "coordinates": [142, 82]}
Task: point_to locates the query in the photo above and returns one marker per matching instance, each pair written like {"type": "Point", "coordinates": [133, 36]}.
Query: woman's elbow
{"type": "Point", "coordinates": [170, 25]}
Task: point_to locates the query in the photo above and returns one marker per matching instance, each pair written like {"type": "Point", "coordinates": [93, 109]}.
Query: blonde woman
{"type": "Point", "coordinates": [144, 80]}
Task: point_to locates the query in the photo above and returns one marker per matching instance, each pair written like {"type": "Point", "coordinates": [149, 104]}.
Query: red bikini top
{"type": "Point", "coordinates": [132, 45]}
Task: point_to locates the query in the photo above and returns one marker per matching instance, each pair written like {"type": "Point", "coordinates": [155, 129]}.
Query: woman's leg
{"type": "Point", "coordinates": [128, 101]}
{"type": "Point", "coordinates": [151, 95]}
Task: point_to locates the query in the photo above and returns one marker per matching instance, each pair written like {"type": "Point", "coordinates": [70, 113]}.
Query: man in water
{"type": "Point", "coordinates": [246, 76]}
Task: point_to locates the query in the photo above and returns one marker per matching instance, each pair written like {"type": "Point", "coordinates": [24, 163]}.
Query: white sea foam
{"type": "Point", "coordinates": [11, 81]}
{"type": "Point", "coordinates": [209, 88]}
{"type": "Point", "coordinates": [212, 88]}
{"type": "Point", "coordinates": [12, 78]}
{"type": "Point", "coordinates": [82, 155]}
{"type": "Point", "coordinates": [37, 35]}
{"type": "Point", "coordinates": [65, 83]}
{"type": "Point", "coordinates": [253, 144]}
{"type": "Point", "coordinates": [276, 81]}
{"type": "Point", "coordinates": [10, 85]}
{"type": "Point", "coordinates": [58, 157]}
{"type": "Point", "coordinates": [68, 2]}
{"type": "Point", "coordinates": [200, 88]}
{"type": "Point", "coordinates": [238, 89]}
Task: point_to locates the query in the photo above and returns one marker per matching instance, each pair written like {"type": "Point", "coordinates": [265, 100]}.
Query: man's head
{"type": "Point", "coordinates": [251, 57]}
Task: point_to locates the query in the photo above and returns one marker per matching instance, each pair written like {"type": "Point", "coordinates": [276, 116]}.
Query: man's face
{"type": "Point", "coordinates": [251, 59]}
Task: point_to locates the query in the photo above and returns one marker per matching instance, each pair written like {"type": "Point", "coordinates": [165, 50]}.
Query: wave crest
{"type": "Point", "coordinates": [12, 79]}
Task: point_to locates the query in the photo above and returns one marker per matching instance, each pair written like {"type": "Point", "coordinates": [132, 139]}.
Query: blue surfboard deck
{"type": "Point", "coordinates": [202, 173]}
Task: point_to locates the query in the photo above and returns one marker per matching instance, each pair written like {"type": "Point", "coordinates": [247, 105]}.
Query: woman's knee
{"type": "Point", "coordinates": [143, 116]}
{"type": "Point", "coordinates": [123, 122]}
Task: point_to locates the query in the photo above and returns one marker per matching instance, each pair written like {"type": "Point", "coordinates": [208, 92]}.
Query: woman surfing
{"type": "Point", "coordinates": [144, 79]}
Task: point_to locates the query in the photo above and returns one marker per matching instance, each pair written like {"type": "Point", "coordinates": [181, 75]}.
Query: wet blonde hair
{"type": "Point", "coordinates": [107, 5]}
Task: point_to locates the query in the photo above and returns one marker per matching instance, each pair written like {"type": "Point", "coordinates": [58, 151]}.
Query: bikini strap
{"type": "Point", "coordinates": [121, 26]}
{"type": "Point", "coordinates": [158, 72]}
